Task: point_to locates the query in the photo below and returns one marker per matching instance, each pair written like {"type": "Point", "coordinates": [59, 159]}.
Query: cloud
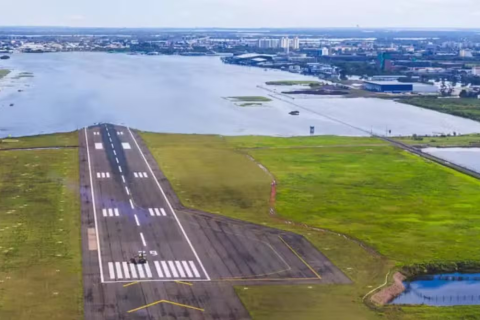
{"type": "Point", "coordinates": [76, 17]}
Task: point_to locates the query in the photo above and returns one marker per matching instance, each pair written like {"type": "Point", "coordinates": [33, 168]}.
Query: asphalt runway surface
{"type": "Point", "coordinates": [193, 258]}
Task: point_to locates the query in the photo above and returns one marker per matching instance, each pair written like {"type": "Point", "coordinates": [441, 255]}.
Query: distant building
{"type": "Point", "coordinates": [476, 71]}
{"type": "Point", "coordinates": [384, 62]}
{"type": "Point", "coordinates": [393, 86]}
{"type": "Point", "coordinates": [386, 78]}
{"type": "Point", "coordinates": [268, 43]}
{"type": "Point", "coordinates": [465, 53]}
{"type": "Point", "coordinates": [285, 43]}
{"type": "Point", "coordinates": [296, 43]}
{"type": "Point", "coordinates": [325, 52]}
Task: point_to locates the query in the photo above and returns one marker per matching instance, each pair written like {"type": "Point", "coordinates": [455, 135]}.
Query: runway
{"type": "Point", "coordinates": [193, 258]}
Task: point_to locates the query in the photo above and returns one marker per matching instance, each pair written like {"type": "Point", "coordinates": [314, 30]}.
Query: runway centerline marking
{"type": "Point", "coordinates": [299, 257]}
{"type": "Point", "coordinates": [166, 301]}
{"type": "Point", "coordinates": [123, 179]}
{"type": "Point", "coordinates": [120, 169]}
{"type": "Point", "coordinates": [126, 189]}
{"type": "Point", "coordinates": [94, 209]}
{"type": "Point", "coordinates": [131, 204]}
{"type": "Point", "coordinates": [136, 220]}
{"type": "Point", "coordinates": [143, 239]}
{"type": "Point", "coordinates": [169, 205]}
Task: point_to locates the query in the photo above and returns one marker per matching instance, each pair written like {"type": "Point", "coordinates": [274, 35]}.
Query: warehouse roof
{"type": "Point", "coordinates": [388, 83]}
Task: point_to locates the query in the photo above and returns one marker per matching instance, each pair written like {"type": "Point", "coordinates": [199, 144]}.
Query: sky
{"type": "Point", "coordinates": [242, 13]}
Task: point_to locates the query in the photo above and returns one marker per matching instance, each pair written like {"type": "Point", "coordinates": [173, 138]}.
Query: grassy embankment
{"type": "Point", "coordinates": [450, 141]}
{"type": "Point", "coordinates": [3, 73]}
{"type": "Point", "coordinates": [388, 198]}
{"type": "Point", "coordinates": [292, 83]}
{"type": "Point", "coordinates": [249, 101]}
{"type": "Point", "coordinates": [466, 108]}
{"type": "Point", "coordinates": [40, 252]}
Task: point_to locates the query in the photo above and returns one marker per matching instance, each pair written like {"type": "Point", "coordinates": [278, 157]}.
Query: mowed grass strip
{"type": "Point", "coordinates": [41, 141]}
{"type": "Point", "coordinates": [40, 252]}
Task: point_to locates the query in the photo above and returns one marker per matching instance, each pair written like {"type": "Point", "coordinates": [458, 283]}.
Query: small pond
{"type": "Point", "coordinates": [442, 290]}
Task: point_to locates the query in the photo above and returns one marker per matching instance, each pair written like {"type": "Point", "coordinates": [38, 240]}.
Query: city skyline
{"type": "Point", "coordinates": [243, 14]}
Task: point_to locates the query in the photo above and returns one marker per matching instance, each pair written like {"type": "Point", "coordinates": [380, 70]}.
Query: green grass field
{"type": "Point", "coordinates": [41, 141]}
{"type": "Point", "coordinates": [466, 108]}
{"type": "Point", "coordinates": [40, 252]}
{"type": "Point", "coordinates": [3, 73]}
{"type": "Point", "coordinates": [386, 197]}
{"type": "Point", "coordinates": [250, 99]}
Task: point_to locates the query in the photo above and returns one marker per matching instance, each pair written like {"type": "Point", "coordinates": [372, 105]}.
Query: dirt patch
{"type": "Point", "coordinates": [389, 293]}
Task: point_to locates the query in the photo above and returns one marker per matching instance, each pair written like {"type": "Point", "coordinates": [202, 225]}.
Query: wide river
{"type": "Point", "coordinates": [186, 95]}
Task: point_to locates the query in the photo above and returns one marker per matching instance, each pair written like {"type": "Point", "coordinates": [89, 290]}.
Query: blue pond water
{"type": "Point", "coordinates": [442, 290]}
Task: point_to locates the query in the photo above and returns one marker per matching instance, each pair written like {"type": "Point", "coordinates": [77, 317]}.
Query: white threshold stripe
{"type": "Point", "coordinates": [163, 212]}
{"type": "Point", "coordinates": [157, 212]}
{"type": "Point", "coordinates": [147, 270]}
{"type": "Point", "coordinates": [111, 271]}
{"type": "Point", "coordinates": [159, 270]}
{"type": "Point", "coordinates": [187, 269]}
{"type": "Point", "coordinates": [119, 270]}
{"type": "Point", "coordinates": [98, 175]}
{"type": "Point", "coordinates": [133, 271]}
{"type": "Point", "coordinates": [94, 209]}
{"type": "Point", "coordinates": [172, 268]}
{"type": "Point", "coordinates": [140, 271]}
{"type": "Point", "coordinates": [169, 205]}
{"type": "Point", "coordinates": [143, 239]}
{"type": "Point", "coordinates": [108, 175]}
{"type": "Point", "coordinates": [136, 220]}
{"type": "Point", "coordinates": [135, 174]}
{"type": "Point", "coordinates": [110, 212]}
{"type": "Point", "coordinates": [145, 175]}
{"type": "Point", "coordinates": [131, 204]}
{"type": "Point", "coordinates": [194, 269]}
{"type": "Point", "coordinates": [180, 269]}
{"type": "Point", "coordinates": [104, 211]}
{"type": "Point", "coordinates": [151, 212]}
{"type": "Point", "coordinates": [116, 212]}
{"type": "Point", "coordinates": [125, 270]}
{"type": "Point", "coordinates": [165, 269]}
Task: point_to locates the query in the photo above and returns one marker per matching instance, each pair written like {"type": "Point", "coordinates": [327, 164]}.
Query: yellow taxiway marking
{"type": "Point", "coordinates": [130, 284]}
{"type": "Point", "coordinates": [298, 256]}
{"type": "Point", "coordinates": [183, 282]}
{"type": "Point", "coordinates": [169, 302]}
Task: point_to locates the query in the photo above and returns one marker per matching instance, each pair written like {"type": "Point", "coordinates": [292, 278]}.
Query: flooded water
{"type": "Point", "coordinates": [186, 95]}
{"type": "Point", "coordinates": [442, 290]}
{"type": "Point", "coordinates": [465, 157]}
